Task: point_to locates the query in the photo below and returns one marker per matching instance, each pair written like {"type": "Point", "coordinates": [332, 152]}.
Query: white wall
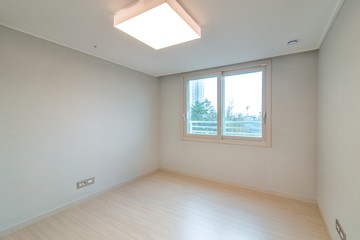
{"type": "Point", "coordinates": [288, 167]}
{"type": "Point", "coordinates": [67, 116]}
{"type": "Point", "coordinates": [339, 123]}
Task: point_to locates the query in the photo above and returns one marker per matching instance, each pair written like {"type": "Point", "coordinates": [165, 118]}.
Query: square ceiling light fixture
{"type": "Point", "coordinates": [157, 23]}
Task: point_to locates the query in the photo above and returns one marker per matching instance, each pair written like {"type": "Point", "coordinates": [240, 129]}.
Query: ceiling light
{"type": "Point", "coordinates": [157, 23]}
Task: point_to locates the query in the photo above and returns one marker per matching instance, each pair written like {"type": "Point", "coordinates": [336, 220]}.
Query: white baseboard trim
{"type": "Point", "coordinates": [284, 195]}
{"type": "Point", "coordinates": [325, 223]}
{"type": "Point", "coordinates": [62, 208]}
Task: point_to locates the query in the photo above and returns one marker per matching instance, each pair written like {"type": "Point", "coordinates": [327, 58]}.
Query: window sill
{"type": "Point", "coordinates": [252, 143]}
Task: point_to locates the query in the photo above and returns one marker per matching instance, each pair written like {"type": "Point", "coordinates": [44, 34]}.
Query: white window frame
{"type": "Point", "coordinates": [265, 140]}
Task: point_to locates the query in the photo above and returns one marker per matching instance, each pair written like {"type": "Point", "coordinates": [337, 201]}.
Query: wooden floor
{"type": "Point", "coordinates": [166, 206]}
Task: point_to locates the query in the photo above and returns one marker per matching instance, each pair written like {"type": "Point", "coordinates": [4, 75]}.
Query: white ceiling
{"type": "Point", "coordinates": [233, 31]}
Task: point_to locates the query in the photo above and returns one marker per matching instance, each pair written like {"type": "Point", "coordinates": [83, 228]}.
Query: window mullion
{"type": "Point", "coordinates": [264, 107]}
{"type": "Point", "coordinates": [219, 106]}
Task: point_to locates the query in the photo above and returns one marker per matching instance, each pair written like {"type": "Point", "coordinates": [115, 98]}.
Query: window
{"type": "Point", "coordinates": [229, 104]}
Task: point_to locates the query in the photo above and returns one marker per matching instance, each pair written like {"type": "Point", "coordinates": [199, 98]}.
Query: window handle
{"type": "Point", "coordinates": [264, 117]}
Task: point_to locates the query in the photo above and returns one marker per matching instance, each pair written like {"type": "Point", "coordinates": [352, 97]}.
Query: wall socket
{"type": "Point", "coordinates": [86, 182]}
{"type": "Point", "coordinates": [340, 230]}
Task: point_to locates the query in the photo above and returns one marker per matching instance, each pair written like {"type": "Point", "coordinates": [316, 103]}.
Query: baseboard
{"type": "Point", "coordinates": [325, 223]}
{"type": "Point", "coordinates": [31, 221]}
{"type": "Point", "coordinates": [284, 195]}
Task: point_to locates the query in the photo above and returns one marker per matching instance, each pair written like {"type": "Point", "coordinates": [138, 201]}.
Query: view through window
{"type": "Point", "coordinates": [243, 105]}
{"type": "Point", "coordinates": [202, 106]}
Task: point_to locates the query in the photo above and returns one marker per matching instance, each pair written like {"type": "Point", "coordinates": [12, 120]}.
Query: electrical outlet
{"type": "Point", "coordinates": [86, 182]}
{"type": "Point", "coordinates": [340, 230]}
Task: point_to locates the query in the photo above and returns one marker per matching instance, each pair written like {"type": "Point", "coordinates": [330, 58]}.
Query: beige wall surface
{"type": "Point", "coordinates": [66, 116]}
{"type": "Point", "coordinates": [339, 123]}
{"type": "Point", "coordinates": [288, 167]}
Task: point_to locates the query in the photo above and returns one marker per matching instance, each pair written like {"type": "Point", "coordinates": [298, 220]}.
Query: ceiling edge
{"type": "Point", "coordinates": [77, 50]}
{"type": "Point", "coordinates": [240, 62]}
{"type": "Point", "coordinates": [331, 22]}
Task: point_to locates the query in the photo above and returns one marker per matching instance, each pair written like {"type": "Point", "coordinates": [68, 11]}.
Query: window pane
{"type": "Point", "coordinates": [243, 105]}
{"type": "Point", "coordinates": [202, 106]}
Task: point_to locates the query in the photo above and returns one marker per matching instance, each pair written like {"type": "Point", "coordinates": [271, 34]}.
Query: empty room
{"type": "Point", "coordinates": [180, 119]}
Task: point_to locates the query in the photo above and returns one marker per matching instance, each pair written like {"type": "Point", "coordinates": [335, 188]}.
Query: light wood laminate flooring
{"type": "Point", "coordinates": [167, 206]}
